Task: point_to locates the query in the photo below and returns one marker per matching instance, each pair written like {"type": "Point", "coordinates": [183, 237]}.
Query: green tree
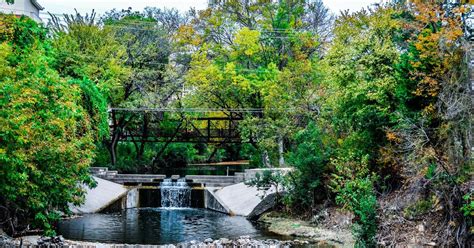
{"type": "Point", "coordinates": [147, 39]}
{"type": "Point", "coordinates": [361, 78]}
{"type": "Point", "coordinates": [361, 102]}
{"type": "Point", "coordinates": [310, 156]}
{"type": "Point", "coordinates": [84, 50]}
{"type": "Point", "coordinates": [265, 60]}
{"type": "Point", "coordinates": [47, 137]}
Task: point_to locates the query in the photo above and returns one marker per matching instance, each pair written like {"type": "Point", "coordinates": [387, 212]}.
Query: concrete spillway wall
{"type": "Point", "coordinates": [102, 196]}
{"type": "Point", "coordinates": [230, 195]}
{"type": "Point", "coordinates": [237, 199]}
{"type": "Point", "coordinates": [211, 201]}
{"type": "Point", "coordinates": [240, 199]}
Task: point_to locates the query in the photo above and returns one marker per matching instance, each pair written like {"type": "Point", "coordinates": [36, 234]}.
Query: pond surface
{"type": "Point", "coordinates": [159, 226]}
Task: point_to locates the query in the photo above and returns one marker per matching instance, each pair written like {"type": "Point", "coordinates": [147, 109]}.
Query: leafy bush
{"type": "Point", "coordinates": [267, 180]}
{"type": "Point", "coordinates": [468, 210]}
{"type": "Point", "coordinates": [310, 158]}
{"type": "Point", "coordinates": [360, 198]}
{"type": "Point", "coordinates": [468, 206]}
{"type": "Point", "coordinates": [176, 154]}
{"type": "Point", "coordinates": [354, 186]}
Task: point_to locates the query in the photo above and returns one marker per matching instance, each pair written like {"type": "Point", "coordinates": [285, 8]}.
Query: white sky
{"type": "Point", "coordinates": [101, 6]}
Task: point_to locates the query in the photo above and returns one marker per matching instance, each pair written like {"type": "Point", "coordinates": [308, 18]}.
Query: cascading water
{"type": "Point", "coordinates": [175, 194]}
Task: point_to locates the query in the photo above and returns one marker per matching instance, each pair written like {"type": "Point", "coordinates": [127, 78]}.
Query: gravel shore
{"type": "Point", "coordinates": [242, 241]}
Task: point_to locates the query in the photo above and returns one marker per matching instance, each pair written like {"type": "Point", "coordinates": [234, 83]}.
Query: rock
{"type": "Point", "coordinates": [240, 241]}
{"type": "Point", "coordinates": [224, 241]}
{"type": "Point", "coordinates": [311, 234]}
{"type": "Point", "coordinates": [320, 217]}
{"type": "Point", "coordinates": [421, 228]}
{"type": "Point", "coordinates": [267, 203]}
{"type": "Point", "coordinates": [185, 245]}
{"type": "Point", "coordinates": [208, 240]}
{"type": "Point", "coordinates": [5, 240]}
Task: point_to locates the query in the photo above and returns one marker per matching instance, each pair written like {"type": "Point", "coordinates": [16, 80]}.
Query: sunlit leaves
{"type": "Point", "coordinates": [435, 39]}
{"type": "Point", "coordinates": [91, 52]}
{"type": "Point", "coordinates": [46, 134]}
{"type": "Point", "coordinates": [360, 70]}
{"type": "Point", "coordinates": [246, 42]}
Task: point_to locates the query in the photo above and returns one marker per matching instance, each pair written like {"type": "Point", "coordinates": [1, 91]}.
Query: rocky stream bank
{"type": "Point", "coordinates": [243, 241]}
{"type": "Point", "coordinates": [330, 229]}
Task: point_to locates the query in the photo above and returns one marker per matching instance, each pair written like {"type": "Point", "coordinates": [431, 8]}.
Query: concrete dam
{"type": "Point", "coordinates": [226, 194]}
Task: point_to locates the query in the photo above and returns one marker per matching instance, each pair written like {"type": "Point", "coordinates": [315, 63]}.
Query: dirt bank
{"type": "Point", "coordinates": [332, 230]}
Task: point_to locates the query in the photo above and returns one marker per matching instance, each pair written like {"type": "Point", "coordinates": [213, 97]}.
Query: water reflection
{"type": "Point", "coordinates": [158, 226]}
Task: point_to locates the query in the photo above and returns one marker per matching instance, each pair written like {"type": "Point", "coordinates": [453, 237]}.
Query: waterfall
{"type": "Point", "coordinates": [175, 194]}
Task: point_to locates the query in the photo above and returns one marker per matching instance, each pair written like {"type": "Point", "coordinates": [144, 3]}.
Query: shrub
{"type": "Point", "coordinates": [310, 158]}
{"type": "Point", "coordinates": [354, 187]}
{"type": "Point", "coordinates": [267, 180]}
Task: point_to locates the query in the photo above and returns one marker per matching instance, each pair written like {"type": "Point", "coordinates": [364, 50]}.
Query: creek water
{"type": "Point", "coordinates": [159, 226]}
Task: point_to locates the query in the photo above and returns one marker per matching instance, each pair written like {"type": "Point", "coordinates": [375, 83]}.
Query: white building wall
{"type": "Point", "coordinates": [20, 7]}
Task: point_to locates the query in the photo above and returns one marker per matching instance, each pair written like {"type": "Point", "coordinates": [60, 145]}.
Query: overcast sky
{"type": "Point", "coordinates": [101, 6]}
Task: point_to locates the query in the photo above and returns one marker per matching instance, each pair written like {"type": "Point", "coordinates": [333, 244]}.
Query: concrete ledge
{"type": "Point", "coordinates": [214, 203]}
{"type": "Point", "coordinates": [241, 199]}
{"type": "Point", "coordinates": [100, 197]}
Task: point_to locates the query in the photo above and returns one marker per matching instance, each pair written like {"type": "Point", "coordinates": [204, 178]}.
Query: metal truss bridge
{"type": "Point", "coordinates": [187, 125]}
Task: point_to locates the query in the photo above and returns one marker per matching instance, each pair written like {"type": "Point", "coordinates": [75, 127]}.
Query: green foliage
{"type": "Point", "coordinates": [468, 207]}
{"type": "Point", "coordinates": [159, 159]}
{"type": "Point", "coordinates": [354, 188]}
{"type": "Point", "coordinates": [361, 78]}
{"type": "Point", "coordinates": [418, 208]}
{"type": "Point", "coordinates": [266, 62]}
{"type": "Point", "coordinates": [177, 154]}
{"type": "Point", "coordinates": [47, 138]}
{"type": "Point", "coordinates": [148, 45]}
{"type": "Point", "coordinates": [96, 107]}
{"type": "Point", "coordinates": [87, 51]}
{"type": "Point", "coordinates": [388, 98]}
{"type": "Point", "coordinates": [364, 205]}
{"type": "Point", "coordinates": [268, 179]}
{"type": "Point", "coordinates": [358, 196]}
{"type": "Point", "coordinates": [310, 157]}
{"type": "Point", "coordinates": [430, 172]}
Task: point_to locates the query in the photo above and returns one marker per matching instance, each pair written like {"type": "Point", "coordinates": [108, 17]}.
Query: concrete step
{"type": "Point", "coordinates": [220, 185]}
{"type": "Point", "coordinates": [205, 177]}
{"type": "Point", "coordinates": [137, 180]}
{"type": "Point", "coordinates": [210, 178]}
{"type": "Point", "coordinates": [133, 176]}
{"type": "Point", "coordinates": [213, 180]}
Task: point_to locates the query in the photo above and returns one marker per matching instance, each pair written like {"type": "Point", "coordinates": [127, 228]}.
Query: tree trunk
{"type": "Point", "coordinates": [266, 160]}
{"type": "Point", "coordinates": [112, 147]}
{"type": "Point", "coordinates": [281, 149]}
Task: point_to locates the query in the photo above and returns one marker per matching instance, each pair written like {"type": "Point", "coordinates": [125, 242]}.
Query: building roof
{"type": "Point", "coordinates": [36, 4]}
